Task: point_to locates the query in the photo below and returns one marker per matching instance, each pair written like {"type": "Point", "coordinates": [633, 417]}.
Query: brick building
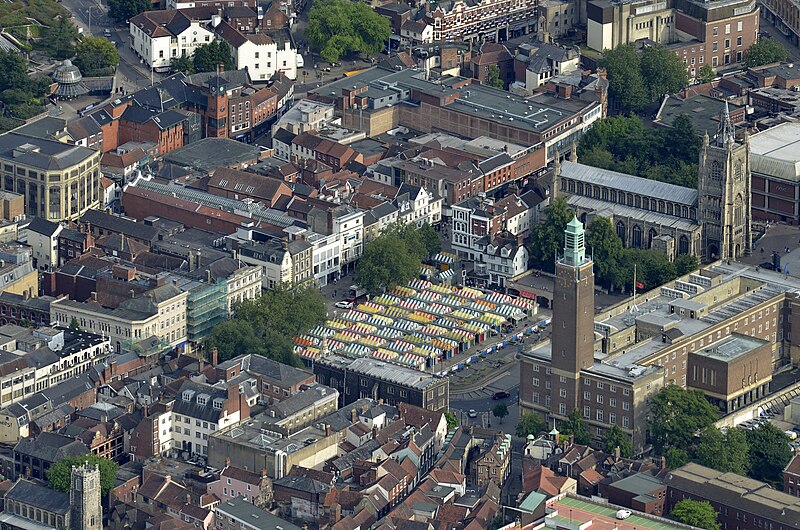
{"type": "Point", "coordinates": [791, 477]}
{"type": "Point", "coordinates": [740, 502]}
{"type": "Point", "coordinates": [493, 21]}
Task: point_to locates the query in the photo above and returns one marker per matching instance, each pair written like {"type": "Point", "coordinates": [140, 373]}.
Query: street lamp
{"type": "Point", "coordinates": [89, 19]}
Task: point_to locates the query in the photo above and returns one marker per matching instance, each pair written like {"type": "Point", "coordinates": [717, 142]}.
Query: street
{"type": "Point", "coordinates": [92, 16]}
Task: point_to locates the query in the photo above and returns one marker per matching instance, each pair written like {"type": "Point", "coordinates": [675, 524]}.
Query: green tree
{"type": "Point", "coordinates": [393, 258]}
{"type": "Point", "coordinates": [616, 437]}
{"type": "Point", "coordinates": [576, 426]}
{"type": "Point", "coordinates": [182, 64]}
{"type": "Point", "coordinates": [500, 411]}
{"type": "Point", "coordinates": [59, 475]}
{"type": "Point", "coordinates": [769, 453]}
{"type": "Point", "coordinates": [625, 81]}
{"type": "Point", "coordinates": [726, 451]}
{"type": "Point", "coordinates": [530, 423]}
{"type": "Point", "coordinates": [73, 324]}
{"type": "Point", "coordinates": [268, 324]}
{"type": "Point", "coordinates": [94, 54]}
{"type": "Point", "coordinates": [606, 249]}
{"type": "Point", "coordinates": [430, 239]}
{"type": "Point", "coordinates": [59, 39]}
{"type": "Point", "coordinates": [676, 458]}
{"type": "Point", "coordinates": [340, 27]}
{"type": "Point", "coordinates": [123, 10]}
{"type": "Point", "coordinates": [677, 414]}
{"type": "Point", "coordinates": [696, 513]}
{"type": "Point", "coordinates": [208, 57]}
{"type": "Point", "coordinates": [13, 71]}
{"type": "Point", "coordinates": [686, 263]}
{"type": "Point", "coordinates": [662, 72]}
{"type": "Point", "coordinates": [494, 77]}
{"type": "Point", "coordinates": [652, 267]}
{"type": "Point", "coordinates": [765, 51]}
{"type": "Point", "coordinates": [706, 74]}
{"type": "Point", "coordinates": [547, 238]}
{"type": "Point", "coordinates": [452, 421]}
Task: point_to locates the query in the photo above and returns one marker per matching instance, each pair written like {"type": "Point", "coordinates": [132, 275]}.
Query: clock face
{"type": "Point", "coordinates": [564, 281]}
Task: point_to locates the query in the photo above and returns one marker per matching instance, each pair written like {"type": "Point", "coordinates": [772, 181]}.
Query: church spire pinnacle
{"type": "Point", "coordinates": [725, 131]}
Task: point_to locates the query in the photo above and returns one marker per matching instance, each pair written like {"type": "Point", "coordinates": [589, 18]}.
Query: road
{"type": "Point", "coordinates": [92, 16]}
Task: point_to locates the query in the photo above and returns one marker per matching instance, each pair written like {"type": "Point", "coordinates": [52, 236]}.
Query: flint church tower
{"type": "Point", "coordinates": [723, 182]}
{"type": "Point", "coordinates": [86, 512]}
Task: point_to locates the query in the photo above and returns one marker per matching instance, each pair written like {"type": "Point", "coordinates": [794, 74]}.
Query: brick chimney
{"type": "Point", "coordinates": [335, 513]}
{"type": "Point", "coordinates": [214, 356]}
{"type": "Point", "coordinates": [227, 461]}
{"type": "Point", "coordinates": [353, 415]}
{"type": "Point", "coordinates": [617, 453]}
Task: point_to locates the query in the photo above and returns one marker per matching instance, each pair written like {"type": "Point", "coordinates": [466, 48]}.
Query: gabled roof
{"type": "Point", "coordinates": [40, 496]}
{"type": "Point", "coordinates": [43, 227]}
{"type": "Point", "coordinates": [50, 447]}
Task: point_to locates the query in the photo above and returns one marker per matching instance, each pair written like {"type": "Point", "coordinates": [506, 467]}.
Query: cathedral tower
{"type": "Point", "coordinates": [723, 182]}
{"type": "Point", "coordinates": [572, 339]}
{"type": "Point", "coordinates": [86, 512]}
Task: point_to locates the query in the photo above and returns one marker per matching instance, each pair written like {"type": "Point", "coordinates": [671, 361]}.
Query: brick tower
{"type": "Point", "coordinates": [217, 108]}
{"type": "Point", "coordinates": [573, 320]}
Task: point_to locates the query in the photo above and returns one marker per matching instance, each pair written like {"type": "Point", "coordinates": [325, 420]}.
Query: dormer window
{"type": "Point", "coordinates": [217, 403]}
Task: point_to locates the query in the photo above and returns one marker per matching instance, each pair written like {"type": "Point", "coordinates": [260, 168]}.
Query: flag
{"type": "Point", "coordinates": [639, 285]}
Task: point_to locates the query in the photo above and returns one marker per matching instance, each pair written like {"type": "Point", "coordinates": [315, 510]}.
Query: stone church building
{"type": "Point", "coordinates": [712, 222]}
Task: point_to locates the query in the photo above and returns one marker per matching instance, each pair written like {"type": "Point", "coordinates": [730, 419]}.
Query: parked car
{"type": "Point", "coordinates": [472, 413]}
{"type": "Point", "coordinates": [344, 304]}
{"type": "Point", "coordinates": [623, 514]}
{"type": "Point", "coordinates": [500, 394]}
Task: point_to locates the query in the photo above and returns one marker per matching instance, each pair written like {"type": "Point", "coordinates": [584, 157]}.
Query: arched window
{"type": "Point", "coordinates": [738, 206]}
{"type": "Point", "coordinates": [597, 192]}
{"type": "Point", "coordinates": [637, 236]}
{"type": "Point", "coordinates": [572, 186]}
{"type": "Point", "coordinates": [670, 209]}
{"type": "Point", "coordinates": [716, 170]}
{"type": "Point", "coordinates": [738, 172]}
{"type": "Point", "coordinates": [652, 234]}
{"type": "Point", "coordinates": [661, 207]}
{"type": "Point", "coordinates": [621, 231]}
{"type": "Point", "coordinates": [630, 199]}
{"type": "Point", "coordinates": [683, 245]}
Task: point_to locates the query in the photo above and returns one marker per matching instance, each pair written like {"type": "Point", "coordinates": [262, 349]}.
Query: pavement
{"type": "Point", "coordinates": [777, 238]}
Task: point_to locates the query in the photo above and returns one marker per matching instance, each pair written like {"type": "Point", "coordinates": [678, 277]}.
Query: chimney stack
{"type": "Point", "coordinates": [617, 453]}
{"type": "Point", "coordinates": [227, 461]}
{"type": "Point", "coordinates": [214, 356]}
{"type": "Point", "coordinates": [353, 415]}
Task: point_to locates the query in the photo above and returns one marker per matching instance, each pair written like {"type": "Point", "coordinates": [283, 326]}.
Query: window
{"type": "Point", "coordinates": [587, 395]}
{"type": "Point", "coordinates": [562, 392]}
{"type": "Point", "coordinates": [626, 405]}
{"type": "Point", "coordinates": [739, 26]}
{"type": "Point", "coordinates": [562, 409]}
{"type": "Point", "coordinates": [599, 415]}
{"type": "Point", "coordinates": [587, 412]}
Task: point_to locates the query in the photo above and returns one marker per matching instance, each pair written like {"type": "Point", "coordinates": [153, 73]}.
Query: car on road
{"type": "Point", "coordinates": [106, 33]}
{"type": "Point", "coordinates": [623, 514]}
{"type": "Point", "coordinates": [344, 304]}
{"type": "Point", "coordinates": [500, 394]}
{"type": "Point", "coordinates": [472, 413]}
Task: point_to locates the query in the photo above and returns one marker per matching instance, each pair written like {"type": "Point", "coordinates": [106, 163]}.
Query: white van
{"type": "Point", "coordinates": [300, 61]}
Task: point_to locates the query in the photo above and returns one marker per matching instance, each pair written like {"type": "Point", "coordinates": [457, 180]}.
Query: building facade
{"type": "Point", "coordinates": [59, 181]}
{"type": "Point", "coordinates": [493, 21]}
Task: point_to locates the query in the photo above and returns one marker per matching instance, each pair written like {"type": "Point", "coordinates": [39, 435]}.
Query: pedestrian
{"type": "Point", "coordinates": [334, 293]}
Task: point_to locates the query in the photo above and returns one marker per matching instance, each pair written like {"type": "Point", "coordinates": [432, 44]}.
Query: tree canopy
{"type": "Point", "coordinates": [59, 39]}
{"type": "Point", "coordinates": [21, 95]}
{"type": "Point", "coordinates": [452, 420]}
{"type": "Point", "coordinates": [676, 458]}
{"type": "Point", "coordinates": [616, 437]}
{"type": "Point", "coordinates": [696, 513]}
{"type": "Point", "coordinates": [208, 57]}
{"type": "Point", "coordinates": [769, 453]}
{"type": "Point", "coordinates": [59, 475]}
{"type": "Point", "coordinates": [95, 55]}
{"type": "Point", "coordinates": [547, 238]}
{"type": "Point", "coordinates": [268, 324]}
{"type": "Point", "coordinates": [339, 27]}
{"type": "Point", "coordinates": [530, 423]}
{"type": "Point", "coordinates": [706, 74]}
{"type": "Point", "coordinates": [726, 451]}
{"type": "Point", "coordinates": [576, 426]}
{"type": "Point", "coordinates": [635, 80]}
{"type": "Point", "coordinates": [607, 253]}
{"type": "Point", "coordinates": [182, 64]}
{"type": "Point", "coordinates": [123, 10]}
{"type": "Point", "coordinates": [624, 144]}
{"type": "Point", "coordinates": [500, 411]}
{"type": "Point", "coordinates": [625, 81]}
{"type": "Point", "coordinates": [677, 414]}
{"type": "Point", "coordinates": [494, 77]}
{"type": "Point", "coordinates": [395, 256]}
{"type": "Point", "coordinates": [765, 51]}
{"type": "Point", "coordinates": [662, 72]}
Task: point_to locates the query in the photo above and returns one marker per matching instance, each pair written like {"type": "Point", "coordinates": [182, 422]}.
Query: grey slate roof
{"type": "Point", "coordinates": [42, 226]}
{"type": "Point", "coordinates": [192, 409]}
{"type": "Point", "coordinates": [629, 183]}
{"type": "Point", "coordinates": [41, 153]}
{"type": "Point", "coordinates": [253, 515]}
{"type": "Point", "coordinates": [50, 447]}
{"type": "Point", "coordinates": [258, 365]}
{"type": "Point", "coordinates": [42, 497]}
{"type": "Point", "coordinates": [119, 225]}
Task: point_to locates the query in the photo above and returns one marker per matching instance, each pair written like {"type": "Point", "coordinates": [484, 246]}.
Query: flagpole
{"type": "Point", "coordinates": [633, 307]}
